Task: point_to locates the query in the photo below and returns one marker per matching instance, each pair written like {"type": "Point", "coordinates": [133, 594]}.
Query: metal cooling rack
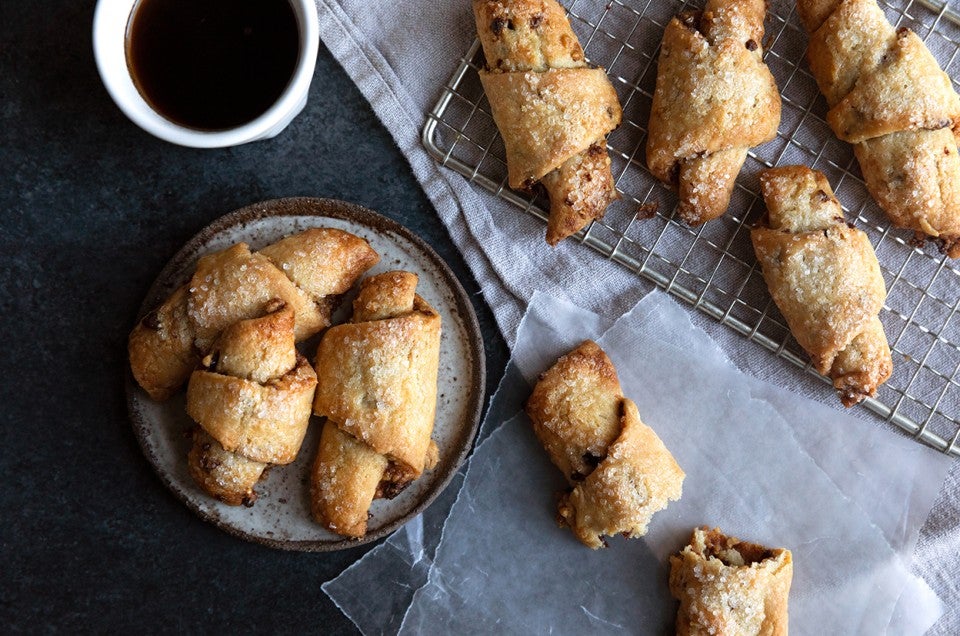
{"type": "Point", "coordinates": [712, 267]}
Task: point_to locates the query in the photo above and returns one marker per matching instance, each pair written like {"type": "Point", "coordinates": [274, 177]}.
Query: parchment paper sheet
{"type": "Point", "coordinates": [503, 565]}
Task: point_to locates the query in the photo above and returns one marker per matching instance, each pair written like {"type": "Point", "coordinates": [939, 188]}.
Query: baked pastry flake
{"type": "Point", "coordinates": [728, 586]}
{"type": "Point", "coordinates": [553, 110]}
{"type": "Point", "coordinates": [252, 400]}
{"type": "Point", "coordinates": [307, 271]}
{"type": "Point", "coordinates": [619, 471]}
{"type": "Point", "coordinates": [825, 279]}
{"type": "Point", "coordinates": [890, 99]}
{"type": "Point", "coordinates": [714, 99]}
{"type": "Point", "coordinates": [378, 390]}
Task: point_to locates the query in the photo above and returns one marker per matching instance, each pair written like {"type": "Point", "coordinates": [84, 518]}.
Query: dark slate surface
{"type": "Point", "coordinates": [92, 208]}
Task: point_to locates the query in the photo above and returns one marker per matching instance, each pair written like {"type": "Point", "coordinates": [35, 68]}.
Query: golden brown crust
{"type": "Point", "coordinates": [385, 296]}
{"type": "Point", "coordinates": [226, 476]}
{"type": "Point", "coordinates": [862, 366]}
{"type": "Point", "coordinates": [263, 422]}
{"type": "Point", "coordinates": [378, 381]}
{"type": "Point", "coordinates": [705, 184]}
{"type": "Point", "coordinates": [343, 481]}
{"type": "Point", "coordinates": [308, 271]}
{"type": "Point", "coordinates": [552, 111]}
{"type": "Point", "coordinates": [813, 12]}
{"type": "Point", "coordinates": [547, 118]}
{"type": "Point", "coordinates": [850, 41]}
{"type": "Point", "coordinates": [575, 409]}
{"type": "Point", "coordinates": [877, 105]}
{"type": "Point", "coordinates": [258, 349]}
{"type": "Point", "coordinates": [262, 413]}
{"type": "Point", "coordinates": [915, 177]}
{"type": "Point", "coordinates": [378, 388]}
{"type": "Point", "coordinates": [824, 277]}
{"type": "Point", "coordinates": [323, 262]}
{"type": "Point", "coordinates": [637, 478]}
{"type": "Point", "coordinates": [714, 99]}
{"type": "Point", "coordinates": [727, 586]}
{"type": "Point", "coordinates": [580, 191]}
{"type": "Point", "coordinates": [619, 470]}
{"type": "Point", "coordinates": [161, 349]}
{"type": "Point", "coordinates": [236, 284]}
{"type": "Point", "coordinates": [889, 97]}
{"type": "Point", "coordinates": [252, 401]}
{"type": "Point", "coordinates": [526, 35]}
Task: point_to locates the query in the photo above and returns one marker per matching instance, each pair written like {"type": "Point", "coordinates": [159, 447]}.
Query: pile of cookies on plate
{"type": "Point", "coordinates": [230, 335]}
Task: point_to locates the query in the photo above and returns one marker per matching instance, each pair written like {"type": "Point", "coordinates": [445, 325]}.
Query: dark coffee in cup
{"type": "Point", "coordinates": [212, 64]}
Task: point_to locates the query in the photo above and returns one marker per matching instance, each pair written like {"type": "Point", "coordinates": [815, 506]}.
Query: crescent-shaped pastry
{"type": "Point", "coordinates": [619, 471]}
{"type": "Point", "coordinates": [825, 279]}
{"type": "Point", "coordinates": [307, 271]}
{"type": "Point", "coordinates": [378, 390]}
{"type": "Point", "coordinates": [252, 400]}
{"type": "Point", "coordinates": [890, 99]}
{"type": "Point", "coordinates": [553, 111]}
{"type": "Point", "coordinates": [714, 100]}
{"type": "Point", "coordinates": [728, 586]}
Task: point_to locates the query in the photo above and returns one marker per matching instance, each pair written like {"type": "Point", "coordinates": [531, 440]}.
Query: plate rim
{"type": "Point", "coordinates": [320, 208]}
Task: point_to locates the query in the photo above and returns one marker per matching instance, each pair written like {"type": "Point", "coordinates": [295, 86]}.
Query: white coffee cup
{"type": "Point", "coordinates": [110, 21]}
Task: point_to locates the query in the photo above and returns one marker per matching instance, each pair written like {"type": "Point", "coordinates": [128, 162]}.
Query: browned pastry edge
{"type": "Point", "coordinates": [377, 390]}
{"type": "Point", "coordinates": [309, 270]}
{"type": "Point", "coordinates": [888, 95]}
{"type": "Point", "coordinates": [251, 401]}
{"type": "Point", "coordinates": [619, 471]}
{"type": "Point", "coordinates": [714, 99]}
{"type": "Point", "coordinates": [225, 476]}
{"type": "Point", "coordinates": [535, 69]}
{"type": "Point", "coordinates": [824, 277]}
{"type": "Point", "coordinates": [728, 586]}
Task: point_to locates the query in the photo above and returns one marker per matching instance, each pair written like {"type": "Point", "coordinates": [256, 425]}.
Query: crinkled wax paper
{"type": "Point", "coordinates": [761, 463]}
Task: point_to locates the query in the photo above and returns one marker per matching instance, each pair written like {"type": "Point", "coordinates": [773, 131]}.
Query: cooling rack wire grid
{"type": "Point", "coordinates": [712, 267]}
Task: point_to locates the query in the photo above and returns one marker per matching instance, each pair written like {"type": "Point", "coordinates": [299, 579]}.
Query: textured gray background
{"type": "Point", "coordinates": [91, 209]}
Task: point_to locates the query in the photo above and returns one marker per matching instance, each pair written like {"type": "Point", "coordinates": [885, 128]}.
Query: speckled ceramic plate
{"type": "Point", "coordinates": [281, 516]}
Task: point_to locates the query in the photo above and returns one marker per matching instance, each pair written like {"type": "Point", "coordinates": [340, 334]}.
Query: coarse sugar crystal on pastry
{"type": "Point", "coordinates": [824, 277]}
{"type": "Point", "coordinates": [251, 399]}
{"type": "Point", "coordinates": [553, 110]}
{"type": "Point", "coordinates": [378, 391]}
{"type": "Point", "coordinates": [888, 96]}
{"type": "Point", "coordinates": [714, 99]}
{"type": "Point", "coordinates": [731, 587]}
{"type": "Point", "coordinates": [620, 472]}
{"type": "Point", "coordinates": [309, 271]}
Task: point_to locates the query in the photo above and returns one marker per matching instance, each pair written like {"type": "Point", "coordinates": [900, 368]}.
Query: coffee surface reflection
{"type": "Point", "coordinates": [212, 64]}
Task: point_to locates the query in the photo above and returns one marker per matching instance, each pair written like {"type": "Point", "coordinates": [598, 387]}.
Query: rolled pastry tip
{"type": "Point", "coordinates": [347, 476]}
{"type": "Point", "coordinates": [728, 586]}
{"type": "Point", "coordinates": [889, 97]}
{"type": "Point", "coordinates": [161, 347]}
{"type": "Point", "coordinates": [225, 476]}
{"type": "Point", "coordinates": [824, 277]}
{"type": "Point", "coordinates": [309, 271]}
{"type": "Point", "coordinates": [343, 481]}
{"type": "Point", "coordinates": [714, 99]}
{"type": "Point", "coordinates": [620, 472]}
{"type": "Point", "coordinates": [552, 111]}
{"type": "Point", "coordinates": [252, 401]}
{"type": "Point", "coordinates": [637, 477]}
{"type": "Point", "coordinates": [377, 389]}
{"type": "Point", "coordinates": [580, 191]}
